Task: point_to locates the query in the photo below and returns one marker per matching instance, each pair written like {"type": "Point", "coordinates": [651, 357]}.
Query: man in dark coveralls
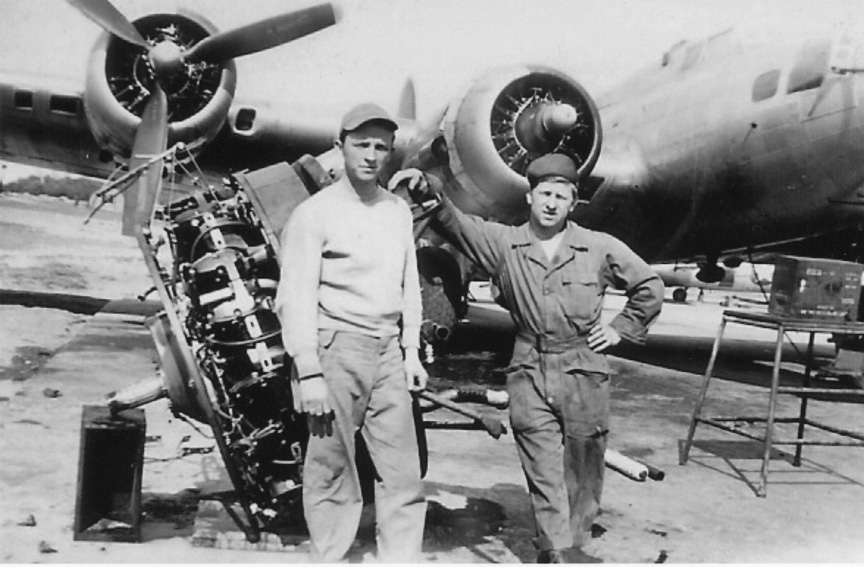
{"type": "Point", "coordinates": [552, 275]}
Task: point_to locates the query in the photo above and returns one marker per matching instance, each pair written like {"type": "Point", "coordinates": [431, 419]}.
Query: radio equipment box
{"type": "Point", "coordinates": [815, 288]}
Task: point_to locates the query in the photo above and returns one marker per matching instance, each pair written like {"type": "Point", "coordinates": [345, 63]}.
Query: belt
{"type": "Point", "coordinates": [551, 345]}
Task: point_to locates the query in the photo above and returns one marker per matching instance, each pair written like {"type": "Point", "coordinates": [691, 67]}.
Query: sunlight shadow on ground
{"type": "Point", "coordinates": [725, 457]}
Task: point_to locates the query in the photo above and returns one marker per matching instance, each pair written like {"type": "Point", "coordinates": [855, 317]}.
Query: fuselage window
{"type": "Point", "coordinates": [765, 85]}
{"type": "Point", "coordinates": [810, 66]}
{"type": "Point", "coordinates": [24, 100]}
{"type": "Point", "coordinates": [64, 104]}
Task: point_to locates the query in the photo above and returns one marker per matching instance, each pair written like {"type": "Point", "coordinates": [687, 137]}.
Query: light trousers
{"type": "Point", "coordinates": [365, 377]}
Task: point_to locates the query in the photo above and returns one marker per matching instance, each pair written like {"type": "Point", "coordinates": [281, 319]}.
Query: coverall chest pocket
{"type": "Point", "coordinates": [580, 295]}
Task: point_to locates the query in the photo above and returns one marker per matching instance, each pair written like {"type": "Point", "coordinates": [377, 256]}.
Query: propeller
{"type": "Point", "coordinates": [151, 140]}
{"type": "Point", "coordinates": [110, 19]}
{"type": "Point", "coordinates": [262, 35]}
{"type": "Point", "coordinates": [408, 100]}
{"type": "Point", "coordinates": [168, 60]}
{"type": "Point", "coordinates": [217, 48]}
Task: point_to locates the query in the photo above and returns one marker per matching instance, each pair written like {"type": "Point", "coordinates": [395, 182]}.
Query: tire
{"type": "Point", "coordinates": [441, 291]}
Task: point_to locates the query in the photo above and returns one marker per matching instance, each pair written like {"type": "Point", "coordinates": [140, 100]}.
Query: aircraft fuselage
{"type": "Point", "coordinates": [726, 146]}
{"type": "Point", "coordinates": [722, 146]}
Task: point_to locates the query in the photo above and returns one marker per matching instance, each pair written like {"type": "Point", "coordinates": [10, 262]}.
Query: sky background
{"type": "Point", "coordinates": [439, 44]}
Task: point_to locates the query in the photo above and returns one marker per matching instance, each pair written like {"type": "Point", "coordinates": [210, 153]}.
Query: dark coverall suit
{"type": "Point", "coordinates": [558, 387]}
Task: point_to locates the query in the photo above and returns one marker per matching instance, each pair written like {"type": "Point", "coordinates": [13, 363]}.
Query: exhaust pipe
{"type": "Point", "coordinates": [441, 332]}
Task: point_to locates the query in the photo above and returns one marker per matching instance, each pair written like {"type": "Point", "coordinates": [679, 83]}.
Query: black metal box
{"type": "Point", "coordinates": [110, 462]}
{"type": "Point", "coordinates": [275, 192]}
{"type": "Point", "coordinates": [815, 288]}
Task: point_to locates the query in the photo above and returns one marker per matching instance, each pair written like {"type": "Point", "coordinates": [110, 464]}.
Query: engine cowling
{"type": "Point", "coordinates": [501, 123]}
{"type": "Point", "coordinates": [120, 78]}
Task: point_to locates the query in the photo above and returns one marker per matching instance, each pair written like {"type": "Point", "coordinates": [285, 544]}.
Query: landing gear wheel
{"type": "Point", "coordinates": [439, 316]}
{"type": "Point", "coordinates": [679, 295]}
{"type": "Point", "coordinates": [441, 292]}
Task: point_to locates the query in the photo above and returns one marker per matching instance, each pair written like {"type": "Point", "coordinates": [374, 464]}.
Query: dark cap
{"type": "Point", "coordinates": [557, 165]}
{"type": "Point", "coordinates": [363, 113]}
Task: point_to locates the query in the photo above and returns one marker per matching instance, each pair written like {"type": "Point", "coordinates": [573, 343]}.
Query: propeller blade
{"type": "Point", "coordinates": [408, 101]}
{"type": "Point", "coordinates": [110, 19]}
{"type": "Point", "coordinates": [262, 35]}
{"type": "Point", "coordinates": [150, 140]}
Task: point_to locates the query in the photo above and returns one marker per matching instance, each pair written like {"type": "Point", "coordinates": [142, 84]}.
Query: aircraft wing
{"type": "Point", "coordinates": [44, 123]}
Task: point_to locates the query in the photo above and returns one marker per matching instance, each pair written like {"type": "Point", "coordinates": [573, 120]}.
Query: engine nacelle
{"type": "Point", "coordinates": [500, 124]}
{"type": "Point", "coordinates": [120, 77]}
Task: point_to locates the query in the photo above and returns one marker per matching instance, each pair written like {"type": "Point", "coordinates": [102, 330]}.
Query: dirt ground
{"type": "Point", "coordinates": [54, 359]}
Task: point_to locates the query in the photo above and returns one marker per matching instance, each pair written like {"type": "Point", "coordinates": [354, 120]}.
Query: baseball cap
{"type": "Point", "coordinates": [363, 113]}
{"type": "Point", "coordinates": [548, 165]}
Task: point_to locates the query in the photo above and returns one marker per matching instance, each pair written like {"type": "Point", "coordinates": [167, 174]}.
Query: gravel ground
{"type": "Point", "coordinates": [53, 361]}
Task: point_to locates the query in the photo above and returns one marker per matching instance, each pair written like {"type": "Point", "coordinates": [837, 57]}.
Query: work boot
{"type": "Point", "coordinates": [550, 556]}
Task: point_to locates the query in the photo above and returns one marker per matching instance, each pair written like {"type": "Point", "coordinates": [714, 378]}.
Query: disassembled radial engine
{"type": "Point", "coordinates": [215, 267]}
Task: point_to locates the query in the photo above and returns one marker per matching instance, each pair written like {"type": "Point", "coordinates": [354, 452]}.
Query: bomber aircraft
{"type": "Point", "coordinates": [724, 146]}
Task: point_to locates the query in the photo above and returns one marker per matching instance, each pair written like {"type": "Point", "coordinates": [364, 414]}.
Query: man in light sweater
{"type": "Point", "coordinates": [349, 303]}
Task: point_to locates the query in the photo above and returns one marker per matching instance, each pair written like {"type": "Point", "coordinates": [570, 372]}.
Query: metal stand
{"type": "Point", "coordinates": [782, 325]}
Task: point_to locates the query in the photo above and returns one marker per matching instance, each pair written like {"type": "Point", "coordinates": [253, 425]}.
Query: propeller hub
{"type": "Point", "coordinates": [166, 58]}
{"type": "Point", "coordinates": [557, 119]}
{"type": "Point", "coordinates": [541, 125]}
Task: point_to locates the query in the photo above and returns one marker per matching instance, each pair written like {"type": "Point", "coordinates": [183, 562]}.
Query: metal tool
{"type": "Point", "coordinates": [491, 424]}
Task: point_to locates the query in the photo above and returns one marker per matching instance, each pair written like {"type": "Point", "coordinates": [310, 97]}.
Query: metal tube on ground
{"type": "Point", "coordinates": [138, 394]}
{"type": "Point", "coordinates": [654, 473]}
{"type": "Point", "coordinates": [626, 466]}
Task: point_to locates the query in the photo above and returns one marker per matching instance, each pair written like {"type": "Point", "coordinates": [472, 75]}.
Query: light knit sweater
{"type": "Point", "coordinates": [347, 264]}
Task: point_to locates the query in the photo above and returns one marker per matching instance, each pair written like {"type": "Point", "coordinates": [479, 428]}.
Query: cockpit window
{"type": "Point", "coordinates": [810, 67]}
{"type": "Point", "coordinates": [765, 85]}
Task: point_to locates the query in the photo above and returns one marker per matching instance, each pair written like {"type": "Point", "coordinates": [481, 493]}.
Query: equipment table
{"type": "Point", "coordinates": [782, 325]}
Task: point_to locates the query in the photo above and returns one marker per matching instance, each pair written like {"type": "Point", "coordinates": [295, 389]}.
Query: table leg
{"type": "Point", "coordinates": [762, 490]}
{"type": "Point", "coordinates": [702, 393]}
{"type": "Point", "coordinates": [802, 417]}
